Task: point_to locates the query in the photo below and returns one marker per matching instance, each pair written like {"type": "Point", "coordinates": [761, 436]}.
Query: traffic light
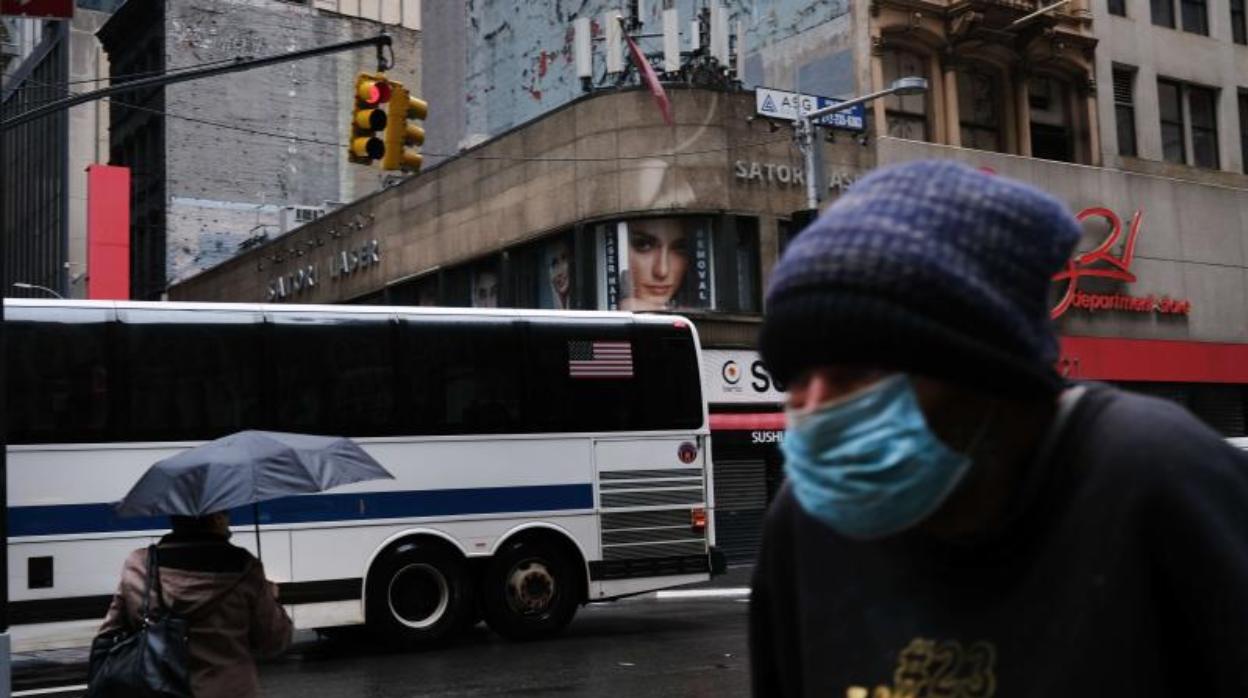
{"type": "Point", "coordinates": [367, 118]}
{"type": "Point", "coordinates": [400, 132]}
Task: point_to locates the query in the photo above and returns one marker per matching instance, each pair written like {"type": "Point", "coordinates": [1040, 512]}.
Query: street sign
{"type": "Point", "coordinates": [781, 104]}
{"type": "Point", "coordinates": [55, 9]}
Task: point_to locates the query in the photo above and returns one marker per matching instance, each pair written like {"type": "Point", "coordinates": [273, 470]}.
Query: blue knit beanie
{"type": "Point", "coordinates": [929, 267]}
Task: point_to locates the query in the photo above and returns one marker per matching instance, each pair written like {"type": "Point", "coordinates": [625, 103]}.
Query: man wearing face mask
{"type": "Point", "coordinates": [957, 519]}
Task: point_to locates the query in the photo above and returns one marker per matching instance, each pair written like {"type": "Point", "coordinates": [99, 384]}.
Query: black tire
{"type": "Point", "coordinates": [529, 591]}
{"type": "Point", "coordinates": [419, 595]}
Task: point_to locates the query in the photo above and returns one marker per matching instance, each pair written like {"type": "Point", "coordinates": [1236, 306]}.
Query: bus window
{"type": "Point", "coordinates": [668, 388]}
{"type": "Point", "coordinates": [332, 373]}
{"type": "Point", "coordinates": [58, 381]}
{"type": "Point", "coordinates": [191, 374]}
{"type": "Point", "coordinates": [559, 402]}
{"type": "Point", "coordinates": [462, 377]}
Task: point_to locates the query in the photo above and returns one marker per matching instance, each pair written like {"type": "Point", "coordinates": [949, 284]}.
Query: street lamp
{"type": "Point", "coordinates": [909, 85]}
{"type": "Point", "coordinates": [37, 287]}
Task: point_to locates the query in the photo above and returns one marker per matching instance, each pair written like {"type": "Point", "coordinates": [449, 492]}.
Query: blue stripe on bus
{"type": "Point", "coordinates": [99, 518]}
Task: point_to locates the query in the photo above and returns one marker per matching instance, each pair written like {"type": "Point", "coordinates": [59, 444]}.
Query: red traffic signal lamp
{"type": "Point", "coordinates": [368, 117]}
{"type": "Point", "coordinates": [401, 133]}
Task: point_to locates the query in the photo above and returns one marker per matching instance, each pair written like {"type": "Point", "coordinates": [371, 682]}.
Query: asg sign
{"type": "Point", "coordinates": [737, 376]}
{"type": "Point", "coordinates": [1102, 262]}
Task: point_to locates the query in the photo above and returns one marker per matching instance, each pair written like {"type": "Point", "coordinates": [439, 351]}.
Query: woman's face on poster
{"type": "Point", "coordinates": [485, 290]}
{"type": "Point", "coordinates": [658, 257]}
{"type": "Point", "coordinates": [560, 266]}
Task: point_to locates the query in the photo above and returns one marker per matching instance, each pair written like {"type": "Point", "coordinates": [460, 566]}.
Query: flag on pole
{"type": "Point", "coordinates": [648, 77]}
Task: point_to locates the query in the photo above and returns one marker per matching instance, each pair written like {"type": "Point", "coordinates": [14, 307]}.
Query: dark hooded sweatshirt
{"type": "Point", "coordinates": [1121, 571]}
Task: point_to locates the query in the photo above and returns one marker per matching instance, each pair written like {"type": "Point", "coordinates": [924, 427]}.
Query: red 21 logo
{"type": "Point", "coordinates": [1111, 266]}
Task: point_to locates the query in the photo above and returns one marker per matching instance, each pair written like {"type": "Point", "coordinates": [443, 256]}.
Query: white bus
{"type": "Point", "coordinates": [542, 459]}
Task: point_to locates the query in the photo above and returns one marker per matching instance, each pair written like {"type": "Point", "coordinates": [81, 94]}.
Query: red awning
{"type": "Point", "coordinates": [751, 421]}
{"type": "Point", "coordinates": [1117, 359]}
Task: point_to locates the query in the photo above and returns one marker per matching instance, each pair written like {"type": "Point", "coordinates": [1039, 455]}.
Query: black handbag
{"type": "Point", "coordinates": [150, 662]}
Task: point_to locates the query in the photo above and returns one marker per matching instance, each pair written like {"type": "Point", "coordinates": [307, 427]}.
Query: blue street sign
{"type": "Point", "coordinates": [852, 119]}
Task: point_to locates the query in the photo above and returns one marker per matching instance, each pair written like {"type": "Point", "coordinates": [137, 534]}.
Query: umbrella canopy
{"type": "Point", "coordinates": [247, 468]}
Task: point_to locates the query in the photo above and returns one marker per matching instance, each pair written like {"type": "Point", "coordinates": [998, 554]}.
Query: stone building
{"type": "Point", "coordinates": [222, 163]}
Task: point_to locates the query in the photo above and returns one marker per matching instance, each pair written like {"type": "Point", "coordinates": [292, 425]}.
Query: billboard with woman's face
{"type": "Point", "coordinates": [657, 264]}
{"type": "Point", "coordinates": [555, 274]}
{"type": "Point", "coordinates": [485, 286]}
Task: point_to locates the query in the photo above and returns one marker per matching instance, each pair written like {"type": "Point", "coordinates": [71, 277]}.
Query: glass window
{"type": "Point", "coordinates": [656, 387]}
{"type": "Point", "coordinates": [462, 377]}
{"type": "Point", "coordinates": [669, 384]}
{"type": "Point", "coordinates": [1124, 110]}
{"type": "Point", "coordinates": [657, 264]}
{"type": "Point", "coordinates": [1117, 7]}
{"type": "Point", "coordinates": [736, 253]}
{"type": "Point", "coordinates": [332, 374]}
{"type": "Point", "coordinates": [1163, 12]}
{"type": "Point", "coordinates": [1051, 135]}
{"type": "Point", "coordinates": [1169, 103]}
{"type": "Point", "coordinates": [907, 115]}
{"type": "Point", "coordinates": [1195, 16]}
{"type": "Point", "coordinates": [486, 285]}
{"type": "Point", "coordinates": [543, 274]}
{"type": "Point", "coordinates": [979, 108]}
{"type": "Point", "coordinates": [1239, 26]}
{"type": "Point", "coordinates": [1203, 104]}
{"type": "Point", "coordinates": [190, 375]}
{"type": "Point", "coordinates": [561, 402]}
{"type": "Point", "coordinates": [59, 382]}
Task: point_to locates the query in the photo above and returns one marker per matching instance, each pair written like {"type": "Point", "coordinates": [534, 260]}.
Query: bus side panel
{"type": "Point", "coordinates": [648, 493]}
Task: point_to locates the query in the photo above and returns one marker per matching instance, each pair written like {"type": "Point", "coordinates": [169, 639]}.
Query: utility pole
{"type": "Point", "coordinates": [807, 136]}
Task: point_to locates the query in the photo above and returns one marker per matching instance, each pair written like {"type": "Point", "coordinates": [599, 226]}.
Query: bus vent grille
{"type": "Point", "coordinates": [652, 497]}
{"type": "Point", "coordinates": [649, 474]}
{"type": "Point", "coordinates": [636, 552]}
{"type": "Point", "coordinates": [646, 519]}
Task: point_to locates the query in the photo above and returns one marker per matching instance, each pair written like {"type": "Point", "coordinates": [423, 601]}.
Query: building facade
{"type": "Point", "coordinates": [220, 164]}
{"type": "Point", "coordinates": [45, 194]}
{"type": "Point", "coordinates": [596, 204]}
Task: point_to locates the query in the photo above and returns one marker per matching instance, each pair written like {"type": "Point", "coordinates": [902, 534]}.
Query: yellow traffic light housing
{"type": "Point", "coordinates": [401, 133]}
{"type": "Point", "coordinates": [367, 117]}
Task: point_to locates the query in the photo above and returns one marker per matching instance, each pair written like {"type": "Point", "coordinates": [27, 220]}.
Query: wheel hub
{"type": "Point", "coordinates": [530, 587]}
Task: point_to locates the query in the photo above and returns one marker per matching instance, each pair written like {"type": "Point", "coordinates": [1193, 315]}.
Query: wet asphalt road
{"type": "Point", "coordinates": [635, 648]}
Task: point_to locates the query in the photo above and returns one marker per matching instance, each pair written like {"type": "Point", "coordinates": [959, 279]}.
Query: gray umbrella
{"type": "Point", "coordinates": [245, 469]}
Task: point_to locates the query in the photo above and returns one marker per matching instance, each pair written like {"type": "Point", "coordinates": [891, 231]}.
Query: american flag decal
{"type": "Point", "coordinates": [600, 359]}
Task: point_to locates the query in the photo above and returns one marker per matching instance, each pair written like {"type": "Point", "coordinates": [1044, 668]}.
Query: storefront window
{"type": "Point", "coordinates": [679, 263]}
{"type": "Point", "coordinates": [485, 285]}
{"type": "Point", "coordinates": [657, 264]}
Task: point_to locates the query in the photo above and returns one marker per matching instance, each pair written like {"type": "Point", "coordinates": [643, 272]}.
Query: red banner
{"type": "Point", "coordinates": [108, 232]}
{"type": "Point", "coordinates": [650, 79]}
{"type": "Point", "coordinates": [56, 9]}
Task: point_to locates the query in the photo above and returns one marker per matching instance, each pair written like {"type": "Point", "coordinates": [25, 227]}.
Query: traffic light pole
{"type": "Point", "coordinates": [381, 41]}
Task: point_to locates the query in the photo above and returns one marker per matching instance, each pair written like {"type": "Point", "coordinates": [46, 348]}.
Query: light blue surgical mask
{"type": "Point", "coordinates": [867, 465]}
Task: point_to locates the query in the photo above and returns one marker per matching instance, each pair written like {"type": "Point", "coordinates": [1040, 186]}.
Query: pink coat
{"type": "Point", "coordinates": [225, 639]}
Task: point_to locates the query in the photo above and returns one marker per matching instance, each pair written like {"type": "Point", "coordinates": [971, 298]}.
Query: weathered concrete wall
{"type": "Point", "coordinates": [298, 114]}
{"type": "Point", "coordinates": [602, 157]}
{"type": "Point", "coordinates": [515, 59]}
{"type": "Point", "coordinates": [1192, 243]}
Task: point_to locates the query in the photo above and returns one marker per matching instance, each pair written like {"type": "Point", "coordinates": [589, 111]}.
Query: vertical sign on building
{"type": "Point", "coordinates": [108, 232]}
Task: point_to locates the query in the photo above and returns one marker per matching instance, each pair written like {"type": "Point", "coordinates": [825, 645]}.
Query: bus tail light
{"type": "Point", "coordinates": [697, 519]}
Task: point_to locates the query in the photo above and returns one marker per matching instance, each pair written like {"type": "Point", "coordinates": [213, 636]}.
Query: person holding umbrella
{"type": "Point", "coordinates": [222, 590]}
{"type": "Point", "coordinates": [219, 591]}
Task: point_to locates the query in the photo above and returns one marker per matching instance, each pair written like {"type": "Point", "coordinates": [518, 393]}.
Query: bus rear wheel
{"type": "Point", "coordinates": [529, 591]}
{"type": "Point", "coordinates": [419, 595]}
